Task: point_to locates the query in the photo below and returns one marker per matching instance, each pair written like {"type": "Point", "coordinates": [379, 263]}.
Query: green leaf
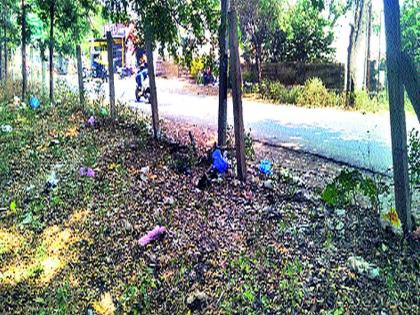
{"type": "Point", "coordinates": [13, 206]}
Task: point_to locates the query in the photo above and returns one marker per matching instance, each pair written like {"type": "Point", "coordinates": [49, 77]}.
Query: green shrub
{"type": "Point", "coordinates": [277, 92]}
{"type": "Point", "coordinates": [197, 65]}
{"type": "Point", "coordinates": [248, 76]}
{"type": "Point", "coordinates": [315, 94]}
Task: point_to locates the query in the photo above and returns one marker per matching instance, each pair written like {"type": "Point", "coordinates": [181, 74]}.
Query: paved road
{"type": "Point", "coordinates": [350, 137]}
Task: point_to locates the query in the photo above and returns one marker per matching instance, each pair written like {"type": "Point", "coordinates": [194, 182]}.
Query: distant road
{"type": "Point", "coordinates": [350, 137]}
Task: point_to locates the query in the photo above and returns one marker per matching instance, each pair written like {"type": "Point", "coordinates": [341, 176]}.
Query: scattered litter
{"type": "Point", "coordinates": [169, 200]}
{"type": "Point", "coordinates": [13, 206]}
{"type": "Point", "coordinates": [103, 111]}
{"type": "Point", "coordinates": [197, 300]}
{"type": "Point", "coordinates": [268, 184]}
{"type": "Point", "coordinates": [219, 162]}
{"type": "Point", "coordinates": [87, 171]}
{"type": "Point", "coordinates": [339, 226]}
{"type": "Point", "coordinates": [34, 102]}
{"type": "Point", "coordinates": [362, 267]}
{"type": "Point", "coordinates": [145, 170]}
{"type": "Point", "coordinates": [16, 101]}
{"type": "Point", "coordinates": [340, 212]}
{"type": "Point", "coordinates": [265, 167]}
{"type": "Point", "coordinates": [51, 183]}
{"type": "Point", "coordinates": [204, 182]}
{"type": "Point", "coordinates": [6, 128]}
{"type": "Point", "coordinates": [91, 121]}
{"type": "Point", "coordinates": [152, 235]}
{"type": "Point", "coordinates": [389, 219]}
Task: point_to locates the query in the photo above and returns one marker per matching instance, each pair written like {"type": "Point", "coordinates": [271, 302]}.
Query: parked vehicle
{"type": "Point", "coordinates": [99, 71]}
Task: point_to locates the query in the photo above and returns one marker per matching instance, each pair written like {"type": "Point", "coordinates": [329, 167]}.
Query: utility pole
{"type": "Point", "coordinates": [396, 109]}
{"type": "Point", "coordinates": [235, 73]}
{"type": "Point", "coordinates": [223, 73]}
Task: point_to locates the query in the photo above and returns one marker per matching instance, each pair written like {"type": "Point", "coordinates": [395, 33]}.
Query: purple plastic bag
{"type": "Point", "coordinates": [92, 121]}
{"type": "Point", "coordinates": [86, 171]}
{"type": "Point", "coordinates": [152, 235]}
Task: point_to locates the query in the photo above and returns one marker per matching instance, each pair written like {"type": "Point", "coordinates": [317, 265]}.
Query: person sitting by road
{"type": "Point", "coordinates": [207, 76]}
{"type": "Point", "coordinates": [142, 75]}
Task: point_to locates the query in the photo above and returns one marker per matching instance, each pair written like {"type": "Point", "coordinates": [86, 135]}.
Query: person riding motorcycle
{"type": "Point", "coordinates": [142, 88]}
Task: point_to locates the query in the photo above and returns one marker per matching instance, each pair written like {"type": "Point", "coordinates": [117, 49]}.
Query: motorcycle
{"type": "Point", "coordinates": [142, 86]}
{"type": "Point", "coordinates": [125, 72]}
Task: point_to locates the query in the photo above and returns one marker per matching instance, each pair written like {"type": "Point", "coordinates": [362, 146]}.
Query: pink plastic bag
{"type": "Point", "coordinates": [152, 235]}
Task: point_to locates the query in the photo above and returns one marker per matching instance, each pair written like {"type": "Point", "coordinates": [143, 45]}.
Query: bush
{"type": "Point", "coordinates": [197, 66]}
{"type": "Point", "coordinates": [275, 91]}
{"type": "Point", "coordinates": [315, 94]}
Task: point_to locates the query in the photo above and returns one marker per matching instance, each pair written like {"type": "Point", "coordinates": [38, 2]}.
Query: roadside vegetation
{"type": "Point", "coordinates": [314, 94]}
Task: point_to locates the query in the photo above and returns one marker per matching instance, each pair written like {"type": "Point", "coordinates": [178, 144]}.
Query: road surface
{"type": "Point", "coordinates": [362, 140]}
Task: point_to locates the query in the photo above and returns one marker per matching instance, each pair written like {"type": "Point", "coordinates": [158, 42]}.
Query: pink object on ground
{"type": "Point", "coordinates": [152, 235]}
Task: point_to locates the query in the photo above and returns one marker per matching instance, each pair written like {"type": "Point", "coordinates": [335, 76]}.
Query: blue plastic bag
{"type": "Point", "coordinates": [265, 167]}
{"type": "Point", "coordinates": [34, 102]}
{"type": "Point", "coordinates": [219, 162]}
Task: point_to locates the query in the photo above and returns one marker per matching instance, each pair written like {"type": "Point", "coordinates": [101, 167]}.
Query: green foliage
{"type": "Point", "coordinates": [315, 94]}
{"type": "Point", "coordinates": [291, 288]}
{"type": "Point", "coordinates": [249, 143]}
{"type": "Point", "coordinates": [309, 35]}
{"type": "Point", "coordinates": [197, 66]}
{"type": "Point", "coordinates": [414, 158]}
{"type": "Point", "coordinates": [166, 19]}
{"type": "Point", "coordinates": [344, 189]}
{"type": "Point", "coordinates": [410, 30]}
{"type": "Point", "coordinates": [277, 92]}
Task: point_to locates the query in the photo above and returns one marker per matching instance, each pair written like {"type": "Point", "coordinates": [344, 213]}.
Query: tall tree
{"type": "Point", "coordinates": [368, 43]}
{"type": "Point", "coordinates": [70, 19]}
{"type": "Point", "coordinates": [309, 34]}
{"type": "Point", "coordinates": [259, 20]}
{"type": "Point", "coordinates": [223, 73]}
{"type": "Point", "coordinates": [235, 73]}
{"type": "Point", "coordinates": [24, 72]}
{"type": "Point", "coordinates": [359, 9]}
{"type": "Point", "coordinates": [397, 115]}
{"type": "Point", "coordinates": [410, 30]}
{"type": "Point", "coordinates": [165, 19]}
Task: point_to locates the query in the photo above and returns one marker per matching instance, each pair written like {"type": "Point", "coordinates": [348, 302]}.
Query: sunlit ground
{"type": "Point", "coordinates": [44, 258]}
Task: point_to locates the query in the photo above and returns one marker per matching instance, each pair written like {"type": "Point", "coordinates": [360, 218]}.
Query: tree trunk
{"type": "Point", "coordinates": [80, 76]}
{"type": "Point", "coordinates": [42, 55]}
{"type": "Point", "coordinates": [349, 78]}
{"type": "Point", "coordinates": [235, 74]}
{"type": "Point", "coordinates": [152, 80]}
{"type": "Point", "coordinates": [258, 59]}
{"type": "Point", "coordinates": [1, 60]}
{"type": "Point", "coordinates": [369, 36]}
{"type": "Point", "coordinates": [379, 54]}
{"type": "Point", "coordinates": [51, 48]}
{"type": "Point", "coordinates": [110, 46]}
{"type": "Point", "coordinates": [6, 70]}
{"type": "Point", "coordinates": [396, 108]}
{"type": "Point", "coordinates": [411, 82]}
{"type": "Point", "coordinates": [354, 44]}
{"type": "Point", "coordinates": [24, 73]}
{"type": "Point", "coordinates": [223, 74]}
